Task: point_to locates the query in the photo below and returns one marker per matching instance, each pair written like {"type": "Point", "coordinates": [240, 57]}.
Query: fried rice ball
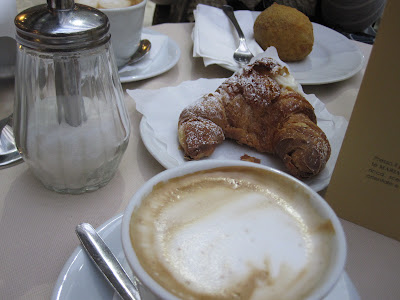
{"type": "Point", "coordinates": [287, 29]}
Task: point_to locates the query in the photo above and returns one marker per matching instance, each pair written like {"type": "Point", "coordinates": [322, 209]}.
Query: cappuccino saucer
{"type": "Point", "coordinates": [164, 54]}
{"type": "Point", "coordinates": [79, 278]}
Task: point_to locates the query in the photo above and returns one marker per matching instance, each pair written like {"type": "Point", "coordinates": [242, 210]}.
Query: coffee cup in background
{"type": "Point", "coordinates": [126, 23]}
{"type": "Point", "coordinates": [8, 47]}
{"type": "Point", "coordinates": [232, 230]}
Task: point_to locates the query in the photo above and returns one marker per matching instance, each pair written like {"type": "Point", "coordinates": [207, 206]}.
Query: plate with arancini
{"type": "Point", "coordinates": [333, 58]}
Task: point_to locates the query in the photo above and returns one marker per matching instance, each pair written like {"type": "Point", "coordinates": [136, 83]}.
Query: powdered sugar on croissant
{"type": "Point", "coordinates": [260, 107]}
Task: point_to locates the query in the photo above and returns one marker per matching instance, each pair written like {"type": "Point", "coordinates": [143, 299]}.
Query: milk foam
{"type": "Point", "coordinates": [228, 237]}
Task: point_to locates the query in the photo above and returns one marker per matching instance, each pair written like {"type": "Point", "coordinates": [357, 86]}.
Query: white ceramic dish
{"type": "Point", "coordinates": [167, 58]}
{"type": "Point", "coordinates": [79, 278]}
{"type": "Point", "coordinates": [161, 108]}
{"type": "Point", "coordinates": [159, 151]}
{"type": "Point", "coordinates": [334, 58]}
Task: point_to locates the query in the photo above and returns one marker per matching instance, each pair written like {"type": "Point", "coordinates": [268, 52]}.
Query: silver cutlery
{"type": "Point", "coordinates": [9, 154]}
{"type": "Point", "coordinates": [106, 262]}
{"type": "Point", "coordinates": [242, 54]}
{"type": "Point", "coordinates": [144, 48]}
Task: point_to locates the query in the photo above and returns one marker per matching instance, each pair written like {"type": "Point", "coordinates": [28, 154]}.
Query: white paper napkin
{"type": "Point", "coordinates": [161, 109]}
{"type": "Point", "coordinates": [159, 43]}
{"type": "Point", "coordinates": [215, 39]}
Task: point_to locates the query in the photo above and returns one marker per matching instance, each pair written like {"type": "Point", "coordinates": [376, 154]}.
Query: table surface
{"type": "Point", "coordinates": [37, 226]}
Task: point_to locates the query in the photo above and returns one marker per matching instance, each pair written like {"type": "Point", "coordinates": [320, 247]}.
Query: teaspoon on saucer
{"type": "Point", "coordinates": [144, 48]}
{"type": "Point", "coordinates": [106, 262]}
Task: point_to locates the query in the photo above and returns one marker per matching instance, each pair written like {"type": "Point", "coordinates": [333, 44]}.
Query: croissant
{"type": "Point", "coordinates": [261, 108]}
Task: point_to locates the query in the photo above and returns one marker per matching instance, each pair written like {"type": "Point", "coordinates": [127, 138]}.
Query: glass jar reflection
{"type": "Point", "coordinates": [70, 121]}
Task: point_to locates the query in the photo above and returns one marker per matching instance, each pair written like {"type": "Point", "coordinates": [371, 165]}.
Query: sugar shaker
{"type": "Point", "coordinates": [71, 125]}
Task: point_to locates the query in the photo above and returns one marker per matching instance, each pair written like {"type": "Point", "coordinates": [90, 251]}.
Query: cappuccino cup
{"type": "Point", "coordinates": [232, 230]}
{"type": "Point", "coordinates": [126, 23]}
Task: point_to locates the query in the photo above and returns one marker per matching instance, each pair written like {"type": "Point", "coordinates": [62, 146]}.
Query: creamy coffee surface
{"type": "Point", "coordinates": [232, 233]}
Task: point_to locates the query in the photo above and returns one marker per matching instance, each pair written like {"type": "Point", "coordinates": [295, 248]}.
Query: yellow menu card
{"type": "Point", "coordinates": [365, 185]}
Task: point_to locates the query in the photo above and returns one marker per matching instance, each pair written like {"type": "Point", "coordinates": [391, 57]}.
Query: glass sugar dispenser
{"type": "Point", "coordinates": [70, 121]}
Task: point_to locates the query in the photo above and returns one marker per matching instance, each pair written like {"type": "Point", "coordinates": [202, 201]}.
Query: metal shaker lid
{"type": "Point", "coordinates": [61, 26]}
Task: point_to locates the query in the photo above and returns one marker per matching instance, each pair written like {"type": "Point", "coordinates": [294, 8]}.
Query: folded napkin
{"type": "Point", "coordinates": [159, 44]}
{"type": "Point", "coordinates": [215, 39]}
{"type": "Point", "coordinates": [161, 109]}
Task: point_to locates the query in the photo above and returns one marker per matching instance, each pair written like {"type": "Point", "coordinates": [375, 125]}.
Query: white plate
{"type": "Point", "coordinates": [334, 58]}
{"type": "Point", "coordinates": [159, 151]}
{"type": "Point", "coordinates": [158, 128]}
{"type": "Point", "coordinates": [156, 148]}
{"type": "Point", "coordinates": [79, 278]}
{"type": "Point", "coordinates": [165, 61]}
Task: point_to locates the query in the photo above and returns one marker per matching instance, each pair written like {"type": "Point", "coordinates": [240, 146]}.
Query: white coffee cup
{"type": "Point", "coordinates": [126, 25]}
{"type": "Point", "coordinates": [321, 261]}
{"type": "Point", "coordinates": [8, 46]}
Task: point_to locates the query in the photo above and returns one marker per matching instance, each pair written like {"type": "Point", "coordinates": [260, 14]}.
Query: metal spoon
{"type": "Point", "coordinates": [106, 262]}
{"type": "Point", "coordinates": [9, 154]}
{"type": "Point", "coordinates": [242, 54]}
{"type": "Point", "coordinates": [144, 48]}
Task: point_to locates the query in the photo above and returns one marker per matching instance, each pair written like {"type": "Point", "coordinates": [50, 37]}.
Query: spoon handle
{"type": "Point", "coordinates": [106, 262]}
{"type": "Point", "coordinates": [228, 10]}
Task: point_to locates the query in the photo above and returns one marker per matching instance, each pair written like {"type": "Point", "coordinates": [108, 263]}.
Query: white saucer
{"type": "Point", "coordinates": [167, 58]}
{"type": "Point", "coordinates": [334, 58]}
{"type": "Point", "coordinates": [79, 278]}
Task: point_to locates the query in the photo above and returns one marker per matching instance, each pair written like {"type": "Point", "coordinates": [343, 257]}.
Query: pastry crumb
{"type": "Point", "coordinates": [249, 158]}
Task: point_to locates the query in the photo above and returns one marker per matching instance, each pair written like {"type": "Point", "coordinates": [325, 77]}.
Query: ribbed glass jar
{"type": "Point", "coordinates": [70, 121]}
